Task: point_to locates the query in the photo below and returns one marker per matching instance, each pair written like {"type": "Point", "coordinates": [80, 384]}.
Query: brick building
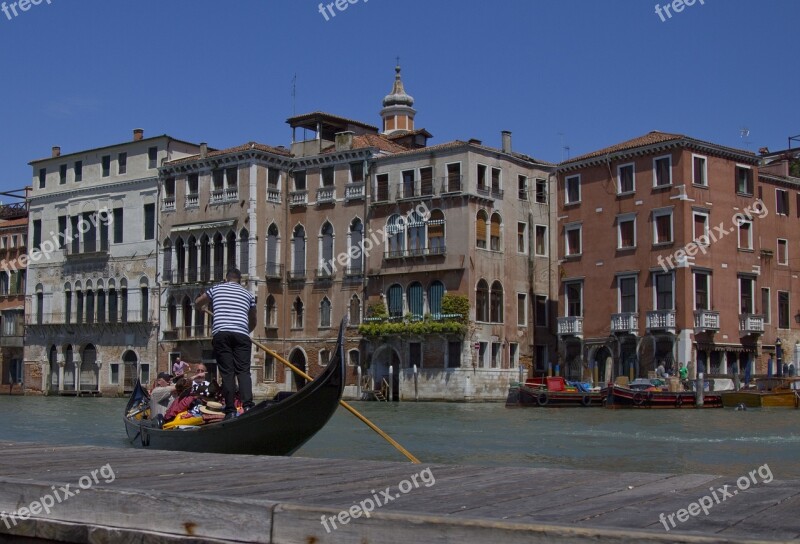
{"type": "Point", "coordinates": [669, 251]}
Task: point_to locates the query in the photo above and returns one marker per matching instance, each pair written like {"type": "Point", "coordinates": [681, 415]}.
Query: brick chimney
{"type": "Point", "coordinates": [344, 140]}
{"type": "Point", "coordinates": [56, 151]}
{"type": "Point", "coordinates": [203, 150]}
{"type": "Point", "coordinates": [138, 134]}
{"type": "Point", "coordinates": [506, 141]}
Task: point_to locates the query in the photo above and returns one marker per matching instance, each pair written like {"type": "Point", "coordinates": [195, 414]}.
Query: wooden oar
{"type": "Point", "coordinates": [345, 405]}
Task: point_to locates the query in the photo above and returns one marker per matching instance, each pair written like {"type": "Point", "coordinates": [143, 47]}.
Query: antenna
{"type": "Point", "coordinates": [744, 132]}
{"type": "Point", "coordinates": [563, 147]}
{"type": "Point", "coordinates": [294, 95]}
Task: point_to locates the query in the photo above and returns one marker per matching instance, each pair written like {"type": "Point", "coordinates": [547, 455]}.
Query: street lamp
{"type": "Point", "coordinates": [779, 357]}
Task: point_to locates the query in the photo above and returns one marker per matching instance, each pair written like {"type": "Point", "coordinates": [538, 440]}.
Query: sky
{"type": "Point", "coordinates": [565, 76]}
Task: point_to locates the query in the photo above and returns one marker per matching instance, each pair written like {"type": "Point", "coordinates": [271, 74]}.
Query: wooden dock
{"type": "Point", "coordinates": [160, 496]}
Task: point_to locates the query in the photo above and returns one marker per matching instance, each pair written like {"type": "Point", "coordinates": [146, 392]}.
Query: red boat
{"type": "Point", "coordinates": [625, 397]}
{"type": "Point", "coordinates": [552, 391]}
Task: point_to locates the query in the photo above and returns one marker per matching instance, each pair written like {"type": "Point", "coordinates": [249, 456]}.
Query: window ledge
{"type": "Point", "coordinates": [627, 193]}
{"type": "Point", "coordinates": [662, 187]}
{"type": "Point", "coordinates": [627, 248]}
{"type": "Point", "coordinates": [700, 186]}
{"type": "Point", "coordinates": [746, 249]}
{"type": "Point", "coordinates": [739, 193]}
{"type": "Point", "coordinates": [664, 244]}
{"type": "Point", "coordinates": [573, 256]}
{"type": "Point", "coordinates": [326, 328]}
{"type": "Point", "coordinates": [576, 203]}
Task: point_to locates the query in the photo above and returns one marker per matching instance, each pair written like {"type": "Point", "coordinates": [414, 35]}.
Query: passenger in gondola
{"type": "Point", "coordinates": [182, 400]}
{"type": "Point", "coordinates": [160, 395]}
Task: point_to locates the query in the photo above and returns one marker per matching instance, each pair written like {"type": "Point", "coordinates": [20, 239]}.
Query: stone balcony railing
{"type": "Point", "coordinates": [661, 320]}
{"type": "Point", "coordinates": [570, 326]}
{"type": "Point", "coordinates": [627, 322]}
{"type": "Point", "coordinates": [706, 320]}
{"type": "Point", "coordinates": [751, 324]}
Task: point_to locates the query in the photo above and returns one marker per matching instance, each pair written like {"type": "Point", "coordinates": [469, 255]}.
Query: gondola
{"type": "Point", "coordinates": [273, 427]}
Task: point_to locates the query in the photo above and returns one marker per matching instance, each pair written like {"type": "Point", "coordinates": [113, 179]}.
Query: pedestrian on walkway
{"type": "Point", "coordinates": [234, 310]}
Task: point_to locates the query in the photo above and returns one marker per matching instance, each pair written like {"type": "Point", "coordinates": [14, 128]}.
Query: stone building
{"type": "Point", "coordinates": [673, 250]}
{"type": "Point", "coordinates": [13, 244]}
{"type": "Point", "coordinates": [91, 293]}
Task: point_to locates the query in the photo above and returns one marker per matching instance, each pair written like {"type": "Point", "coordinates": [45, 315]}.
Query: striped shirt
{"type": "Point", "coordinates": [231, 304]}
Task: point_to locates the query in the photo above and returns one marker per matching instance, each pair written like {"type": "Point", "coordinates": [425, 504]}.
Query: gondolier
{"type": "Point", "coordinates": [234, 319]}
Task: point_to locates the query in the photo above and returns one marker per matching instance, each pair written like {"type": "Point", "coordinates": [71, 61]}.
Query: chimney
{"type": "Point", "coordinates": [56, 151]}
{"type": "Point", "coordinates": [344, 140]}
{"type": "Point", "coordinates": [138, 134]}
{"type": "Point", "coordinates": [506, 141]}
{"type": "Point", "coordinates": [475, 141]}
{"type": "Point", "coordinates": [203, 150]}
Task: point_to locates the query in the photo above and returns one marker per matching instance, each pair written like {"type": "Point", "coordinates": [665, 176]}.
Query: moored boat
{"type": "Point", "coordinates": [625, 397]}
{"type": "Point", "coordinates": [272, 427]}
{"type": "Point", "coordinates": [766, 392]}
{"type": "Point", "coordinates": [553, 391]}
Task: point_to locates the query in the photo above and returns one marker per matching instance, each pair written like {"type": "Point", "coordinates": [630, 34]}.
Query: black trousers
{"type": "Point", "coordinates": [232, 352]}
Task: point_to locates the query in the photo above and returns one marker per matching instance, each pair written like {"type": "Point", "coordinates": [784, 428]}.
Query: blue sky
{"type": "Point", "coordinates": [578, 73]}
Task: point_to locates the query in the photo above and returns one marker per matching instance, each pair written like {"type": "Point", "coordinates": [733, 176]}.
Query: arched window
{"type": "Point", "coordinates": [494, 234]}
{"type": "Point", "coordinates": [90, 371]}
{"type": "Point", "coordinates": [271, 312]}
{"type": "Point", "coordinates": [172, 314]}
{"type": "Point", "coordinates": [200, 324]}
{"type": "Point", "coordinates": [395, 300]}
{"type": "Point", "coordinates": [89, 305]}
{"type": "Point", "coordinates": [299, 251]}
{"type": "Point", "coordinates": [67, 303]}
{"type": "Point", "coordinates": [396, 236]}
{"type": "Point", "coordinates": [191, 264]}
{"type": "Point", "coordinates": [219, 257]}
{"type": "Point", "coordinates": [180, 258]}
{"type": "Point", "coordinates": [325, 313]}
{"type": "Point", "coordinates": [326, 262]}
{"type": "Point", "coordinates": [205, 258]}
{"type": "Point", "coordinates": [69, 369]}
{"type": "Point", "coordinates": [231, 249]}
{"type": "Point", "coordinates": [78, 303]}
{"type": "Point", "coordinates": [39, 304]}
{"type": "Point", "coordinates": [356, 266]}
{"type": "Point", "coordinates": [273, 268]}
{"type": "Point", "coordinates": [416, 234]}
{"type": "Point", "coordinates": [480, 229]}
{"type": "Point", "coordinates": [323, 358]}
{"type": "Point", "coordinates": [436, 238]}
{"type": "Point", "coordinates": [101, 305]}
{"type": "Point", "coordinates": [355, 310]}
{"type": "Point", "coordinates": [52, 359]}
{"type": "Point", "coordinates": [112, 302]}
{"type": "Point", "coordinates": [187, 318]}
{"type": "Point", "coordinates": [297, 314]}
{"type": "Point", "coordinates": [353, 357]}
{"type": "Point", "coordinates": [482, 301]}
{"type": "Point", "coordinates": [496, 303]}
{"type": "Point", "coordinates": [415, 302]}
{"type": "Point", "coordinates": [244, 251]}
{"type": "Point", "coordinates": [167, 263]}
{"type": "Point", "coordinates": [435, 294]}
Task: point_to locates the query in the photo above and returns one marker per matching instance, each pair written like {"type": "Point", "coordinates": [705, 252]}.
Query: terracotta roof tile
{"type": "Point", "coordinates": [237, 149]}
{"type": "Point", "coordinates": [378, 141]}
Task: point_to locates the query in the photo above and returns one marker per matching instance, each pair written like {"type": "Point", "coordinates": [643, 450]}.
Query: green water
{"type": "Point", "coordinates": [722, 441]}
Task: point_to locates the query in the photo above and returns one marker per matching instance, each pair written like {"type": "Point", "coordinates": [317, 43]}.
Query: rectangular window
{"type": "Point", "coordinates": [75, 236]}
{"type": "Point", "coordinates": [662, 228]}
{"type": "Point", "coordinates": [573, 240]}
{"type": "Point", "coordinates": [232, 178]}
{"type": "Point", "coordinates": [781, 202]}
{"type": "Point", "coordinates": [454, 177]}
{"type": "Point", "coordinates": [117, 225]}
{"type": "Point", "coordinates": [513, 354]}
{"type": "Point", "coordinates": [627, 295]}
{"type": "Point", "coordinates": [702, 290]}
{"type": "Point", "coordinates": [327, 176]}
{"type": "Point", "coordinates": [541, 241]}
{"type": "Point", "coordinates": [744, 180]}
{"type": "Point", "coordinates": [626, 233]}
{"type": "Point", "coordinates": [453, 354]}
{"type": "Point", "coordinates": [540, 317]}
{"type": "Point", "coordinates": [496, 183]}
{"type": "Point", "coordinates": [426, 181]}
{"type": "Point", "coordinates": [62, 231]}
{"type": "Point", "coordinates": [522, 187]}
{"type": "Point", "coordinates": [700, 225]}
{"type": "Point", "coordinates": [699, 172]}
{"type": "Point", "coordinates": [482, 184]}
{"type": "Point", "coordinates": [356, 172]}
{"type": "Point", "coordinates": [408, 183]}
{"type": "Point", "coordinates": [783, 309]}
{"type": "Point", "coordinates": [217, 179]}
{"type": "Point", "coordinates": [745, 235]}
{"type": "Point", "coordinates": [574, 298]}
{"type": "Point", "coordinates": [114, 373]}
{"type": "Point", "coordinates": [625, 179]}
{"type": "Point", "coordinates": [145, 305]}
{"type": "Point", "coordinates": [62, 174]}
{"type": "Point", "coordinates": [269, 368]}
{"type": "Point", "coordinates": [122, 163]}
{"type": "Point", "coordinates": [541, 191]}
{"type": "Point", "coordinates": [766, 304]}
{"type": "Point", "coordinates": [497, 355]}
{"type": "Point", "coordinates": [382, 182]}
{"type": "Point", "coordinates": [152, 157]}
{"type": "Point", "coordinates": [662, 171]}
{"type": "Point", "coordinates": [169, 188]}
{"type": "Point", "coordinates": [540, 358]}
{"type": "Point", "coordinates": [522, 238]}
{"type": "Point", "coordinates": [746, 286]}
{"type": "Point", "coordinates": [37, 233]}
{"type": "Point", "coordinates": [106, 161]}
{"type": "Point", "coordinates": [42, 177]}
{"type": "Point", "coordinates": [274, 178]}
{"type": "Point", "coordinates": [89, 234]}
{"type": "Point", "coordinates": [522, 309]}
{"type": "Point", "coordinates": [78, 171]}
{"type": "Point", "coordinates": [664, 291]}
{"type": "Point", "coordinates": [192, 184]}
{"type": "Point", "coordinates": [573, 189]}
{"type": "Point", "coordinates": [783, 251]}
{"type": "Point", "coordinates": [149, 221]}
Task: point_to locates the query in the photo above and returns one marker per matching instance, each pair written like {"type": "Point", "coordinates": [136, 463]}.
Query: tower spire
{"type": "Point", "coordinates": [398, 112]}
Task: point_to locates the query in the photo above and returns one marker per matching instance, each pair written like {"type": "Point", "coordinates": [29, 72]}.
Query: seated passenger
{"type": "Point", "coordinates": [182, 401]}
{"type": "Point", "coordinates": [160, 395]}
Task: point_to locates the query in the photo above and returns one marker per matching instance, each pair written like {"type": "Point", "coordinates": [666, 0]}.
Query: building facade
{"type": "Point", "coordinates": [665, 247]}
{"type": "Point", "coordinates": [13, 244]}
{"type": "Point", "coordinates": [92, 291]}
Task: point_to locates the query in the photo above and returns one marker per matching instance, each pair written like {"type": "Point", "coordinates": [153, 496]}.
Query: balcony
{"type": "Point", "coordinates": [439, 250]}
{"type": "Point", "coordinates": [178, 277]}
{"type": "Point", "coordinates": [326, 195]}
{"type": "Point", "coordinates": [217, 195]}
{"type": "Point", "coordinates": [327, 273]}
{"type": "Point", "coordinates": [452, 184]}
{"type": "Point", "coordinates": [751, 324]}
{"type": "Point", "coordinates": [298, 274]}
{"type": "Point", "coordinates": [706, 321]}
{"type": "Point", "coordinates": [354, 271]}
{"type": "Point", "coordinates": [570, 326]}
{"type": "Point", "coordinates": [274, 196]}
{"type": "Point", "coordinates": [196, 332]}
{"type": "Point", "coordinates": [273, 271]}
{"type": "Point", "coordinates": [416, 189]}
{"type": "Point", "coordinates": [626, 323]}
{"type": "Point", "coordinates": [298, 198]}
{"type": "Point", "coordinates": [661, 321]}
{"type": "Point", "coordinates": [493, 192]}
{"type": "Point", "coordinates": [80, 249]}
{"type": "Point", "coordinates": [168, 204]}
{"type": "Point", "coordinates": [73, 320]}
{"type": "Point", "coordinates": [231, 193]}
{"type": "Point", "coordinates": [354, 191]}
{"type": "Point", "coordinates": [192, 200]}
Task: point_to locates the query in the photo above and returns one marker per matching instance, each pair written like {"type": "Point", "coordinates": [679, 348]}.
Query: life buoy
{"type": "Point", "coordinates": [542, 399]}
{"type": "Point", "coordinates": [586, 400]}
{"type": "Point", "coordinates": [678, 400]}
{"type": "Point", "coordinates": [638, 398]}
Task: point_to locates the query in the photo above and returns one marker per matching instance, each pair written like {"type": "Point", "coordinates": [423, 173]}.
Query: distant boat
{"type": "Point", "coordinates": [552, 392]}
{"type": "Point", "coordinates": [625, 397]}
{"type": "Point", "coordinates": [766, 392]}
{"type": "Point", "coordinates": [273, 427]}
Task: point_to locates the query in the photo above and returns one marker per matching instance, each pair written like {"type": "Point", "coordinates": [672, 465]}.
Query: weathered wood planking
{"type": "Point", "coordinates": [160, 496]}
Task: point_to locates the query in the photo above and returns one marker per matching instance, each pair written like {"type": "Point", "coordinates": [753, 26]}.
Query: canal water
{"type": "Point", "coordinates": [724, 442]}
